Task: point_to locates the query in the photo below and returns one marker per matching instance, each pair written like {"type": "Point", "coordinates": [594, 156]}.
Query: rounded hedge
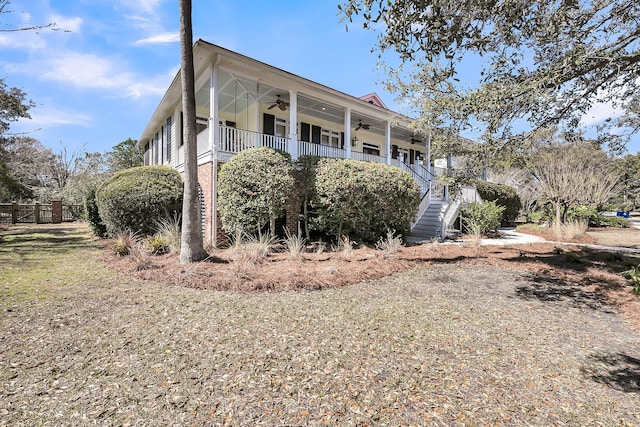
{"type": "Point", "coordinates": [503, 195]}
{"type": "Point", "coordinates": [364, 199]}
{"type": "Point", "coordinates": [135, 199]}
{"type": "Point", "coordinates": [253, 188]}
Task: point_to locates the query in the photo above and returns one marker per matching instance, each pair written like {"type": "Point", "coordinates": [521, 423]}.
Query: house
{"type": "Point", "coordinates": [242, 103]}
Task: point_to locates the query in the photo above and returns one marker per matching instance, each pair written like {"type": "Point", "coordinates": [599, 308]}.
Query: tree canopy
{"type": "Point", "coordinates": [544, 63]}
{"type": "Point", "coordinates": [126, 154]}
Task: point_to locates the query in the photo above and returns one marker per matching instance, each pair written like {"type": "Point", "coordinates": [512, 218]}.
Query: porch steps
{"type": "Point", "coordinates": [429, 225]}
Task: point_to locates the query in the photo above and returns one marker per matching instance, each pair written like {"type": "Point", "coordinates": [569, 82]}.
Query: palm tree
{"type": "Point", "coordinates": [191, 246]}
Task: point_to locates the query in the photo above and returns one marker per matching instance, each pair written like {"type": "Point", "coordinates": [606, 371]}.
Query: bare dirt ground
{"type": "Point", "coordinates": [460, 335]}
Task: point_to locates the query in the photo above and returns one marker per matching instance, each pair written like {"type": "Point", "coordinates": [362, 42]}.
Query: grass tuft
{"type": "Point", "coordinates": [389, 244]}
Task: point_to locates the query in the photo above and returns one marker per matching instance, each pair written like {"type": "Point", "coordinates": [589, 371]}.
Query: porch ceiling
{"type": "Point", "coordinates": [236, 92]}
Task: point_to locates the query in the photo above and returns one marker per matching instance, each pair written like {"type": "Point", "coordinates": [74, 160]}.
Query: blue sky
{"type": "Point", "coordinates": [98, 80]}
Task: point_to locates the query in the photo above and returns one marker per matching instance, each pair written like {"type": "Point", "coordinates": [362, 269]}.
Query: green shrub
{"type": "Point", "coordinates": [92, 216]}
{"type": "Point", "coordinates": [253, 189]}
{"type": "Point", "coordinates": [479, 218]}
{"type": "Point", "coordinates": [363, 199]}
{"type": "Point", "coordinates": [586, 214]}
{"type": "Point", "coordinates": [504, 196]}
{"type": "Point", "coordinates": [634, 275]}
{"type": "Point", "coordinates": [135, 199]}
{"type": "Point", "coordinates": [614, 221]}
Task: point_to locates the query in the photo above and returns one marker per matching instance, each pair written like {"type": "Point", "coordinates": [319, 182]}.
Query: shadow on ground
{"type": "Point", "coordinates": [617, 370]}
{"type": "Point", "coordinates": [549, 289]}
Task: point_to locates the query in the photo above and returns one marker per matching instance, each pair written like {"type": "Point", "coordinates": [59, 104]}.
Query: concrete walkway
{"type": "Point", "coordinates": [508, 236]}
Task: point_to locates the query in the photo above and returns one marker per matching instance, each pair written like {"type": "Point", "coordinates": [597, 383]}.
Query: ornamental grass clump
{"type": "Point", "coordinates": [389, 244]}
{"type": "Point", "coordinates": [295, 244]}
{"type": "Point", "coordinates": [570, 230]}
{"type": "Point", "coordinates": [123, 242]}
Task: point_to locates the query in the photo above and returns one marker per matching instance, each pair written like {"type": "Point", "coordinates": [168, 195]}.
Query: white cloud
{"type": "Point", "coordinates": [89, 71]}
{"type": "Point", "coordinates": [20, 40]}
{"type": "Point", "coordinates": [598, 113]}
{"type": "Point", "coordinates": [50, 116]}
{"type": "Point", "coordinates": [66, 23]}
{"type": "Point", "coordinates": [83, 70]}
{"type": "Point", "coordinates": [169, 37]}
{"type": "Point", "coordinates": [142, 5]}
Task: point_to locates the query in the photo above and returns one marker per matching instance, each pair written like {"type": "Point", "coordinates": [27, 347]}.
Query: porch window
{"type": "Point", "coordinates": [272, 125]}
{"type": "Point", "coordinates": [281, 128]}
{"type": "Point", "coordinates": [368, 148]}
{"type": "Point", "coordinates": [330, 138]}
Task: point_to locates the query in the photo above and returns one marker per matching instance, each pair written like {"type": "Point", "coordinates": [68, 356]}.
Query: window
{"type": "Point", "coordinates": [146, 154]}
{"type": "Point", "coordinates": [272, 125]}
{"type": "Point", "coordinates": [330, 138]}
{"type": "Point", "coordinates": [156, 139]}
{"type": "Point", "coordinates": [168, 140]}
{"type": "Point", "coordinates": [161, 146]}
{"type": "Point", "coordinates": [368, 148]}
{"type": "Point", "coordinates": [281, 127]}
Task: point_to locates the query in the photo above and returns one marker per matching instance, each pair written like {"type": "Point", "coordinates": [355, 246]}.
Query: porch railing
{"type": "Point", "coordinates": [235, 140]}
{"type": "Point", "coordinates": [311, 149]}
{"type": "Point", "coordinates": [368, 157]}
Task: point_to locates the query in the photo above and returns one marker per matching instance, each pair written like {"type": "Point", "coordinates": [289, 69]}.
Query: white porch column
{"type": "Point", "coordinates": [347, 131]}
{"type": "Point", "coordinates": [293, 124]}
{"type": "Point", "coordinates": [214, 129]}
{"type": "Point", "coordinates": [214, 136]}
{"type": "Point", "coordinates": [387, 140]}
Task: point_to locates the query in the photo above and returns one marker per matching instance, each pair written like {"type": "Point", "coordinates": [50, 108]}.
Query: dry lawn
{"type": "Point", "coordinates": [461, 335]}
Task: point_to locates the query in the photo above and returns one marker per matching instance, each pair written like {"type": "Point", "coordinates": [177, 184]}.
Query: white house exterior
{"type": "Point", "coordinates": [242, 103]}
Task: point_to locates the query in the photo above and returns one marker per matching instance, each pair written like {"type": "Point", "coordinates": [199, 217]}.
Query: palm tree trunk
{"type": "Point", "coordinates": [191, 245]}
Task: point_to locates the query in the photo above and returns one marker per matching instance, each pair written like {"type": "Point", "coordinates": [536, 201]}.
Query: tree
{"type": "Point", "coordinates": [575, 173]}
{"type": "Point", "coordinates": [544, 62]}
{"type": "Point", "coordinates": [47, 175]}
{"type": "Point", "coordinates": [191, 243]}
{"type": "Point", "coordinates": [629, 196]}
{"type": "Point", "coordinates": [126, 154]}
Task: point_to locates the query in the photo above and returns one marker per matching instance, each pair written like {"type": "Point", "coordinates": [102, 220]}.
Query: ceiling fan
{"type": "Point", "coordinates": [280, 104]}
{"type": "Point", "coordinates": [362, 126]}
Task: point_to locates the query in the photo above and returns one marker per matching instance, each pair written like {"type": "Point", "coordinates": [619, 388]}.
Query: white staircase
{"type": "Point", "coordinates": [429, 225]}
{"type": "Point", "coordinates": [439, 215]}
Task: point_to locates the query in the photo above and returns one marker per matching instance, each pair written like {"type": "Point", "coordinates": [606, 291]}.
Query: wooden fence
{"type": "Point", "coordinates": [54, 212]}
